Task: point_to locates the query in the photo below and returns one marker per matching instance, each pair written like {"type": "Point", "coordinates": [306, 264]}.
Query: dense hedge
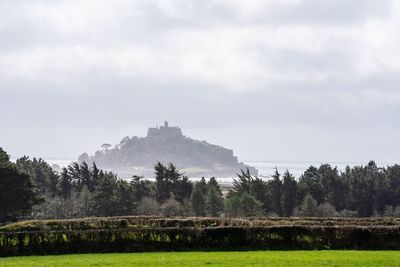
{"type": "Point", "coordinates": [181, 237]}
{"type": "Point", "coordinates": [197, 222]}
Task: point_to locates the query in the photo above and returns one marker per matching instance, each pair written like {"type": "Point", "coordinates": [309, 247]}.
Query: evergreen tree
{"type": "Point", "coordinates": [94, 177]}
{"type": "Point", "coordinates": [126, 202]}
{"type": "Point", "coordinates": [214, 202]}
{"type": "Point", "coordinates": [197, 200]}
{"type": "Point", "coordinates": [162, 183]}
{"type": "Point", "coordinates": [275, 189]}
{"type": "Point", "coordinates": [85, 202]}
{"type": "Point", "coordinates": [65, 185]}
{"type": "Point", "coordinates": [249, 205]}
{"type": "Point", "coordinates": [17, 193]}
{"type": "Point", "coordinates": [254, 186]}
{"type": "Point", "coordinates": [203, 184]}
{"type": "Point", "coordinates": [42, 175]}
{"type": "Point", "coordinates": [170, 182]}
{"type": "Point", "coordinates": [232, 205]}
{"type": "Point", "coordinates": [140, 188]}
{"type": "Point", "coordinates": [105, 197]}
{"type": "Point", "coordinates": [289, 194]}
{"type": "Point", "coordinates": [242, 205]}
{"type": "Point", "coordinates": [310, 183]}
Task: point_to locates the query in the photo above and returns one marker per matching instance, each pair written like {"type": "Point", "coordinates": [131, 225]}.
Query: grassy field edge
{"type": "Point", "coordinates": [249, 258]}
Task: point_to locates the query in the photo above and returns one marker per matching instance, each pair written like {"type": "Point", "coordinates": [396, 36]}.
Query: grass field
{"type": "Point", "coordinates": [253, 258]}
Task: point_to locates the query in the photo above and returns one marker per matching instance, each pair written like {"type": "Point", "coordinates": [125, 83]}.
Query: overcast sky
{"type": "Point", "coordinates": [300, 80]}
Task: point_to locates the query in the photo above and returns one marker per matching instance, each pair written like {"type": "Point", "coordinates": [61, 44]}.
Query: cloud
{"type": "Point", "coordinates": [310, 66]}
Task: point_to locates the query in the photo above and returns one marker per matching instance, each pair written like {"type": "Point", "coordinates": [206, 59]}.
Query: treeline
{"type": "Point", "coordinates": [30, 187]}
{"type": "Point", "coordinates": [361, 191]}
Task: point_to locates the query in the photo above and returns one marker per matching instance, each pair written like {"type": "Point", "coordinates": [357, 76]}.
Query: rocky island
{"type": "Point", "coordinates": [137, 155]}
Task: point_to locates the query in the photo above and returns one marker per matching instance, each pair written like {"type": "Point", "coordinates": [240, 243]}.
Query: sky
{"type": "Point", "coordinates": [299, 80]}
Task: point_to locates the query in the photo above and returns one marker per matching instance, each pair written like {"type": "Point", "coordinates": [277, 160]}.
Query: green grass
{"type": "Point", "coordinates": [253, 258]}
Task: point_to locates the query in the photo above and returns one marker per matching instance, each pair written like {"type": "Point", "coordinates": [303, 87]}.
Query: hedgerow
{"type": "Point", "coordinates": [133, 234]}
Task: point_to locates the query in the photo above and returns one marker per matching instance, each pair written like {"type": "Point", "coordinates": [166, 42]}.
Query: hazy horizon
{"type": "Point", "coordinates": [289, 80]}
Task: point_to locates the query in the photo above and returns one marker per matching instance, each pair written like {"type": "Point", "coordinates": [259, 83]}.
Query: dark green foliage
{"type": "Point", "coordinates": [130, 234]}
{"type": "Point", "coordinates": [275, 189]}
{"type": "Point", "coordinates": [141, 188]}
{"type": "Point", "coordinates": [214, 202]}
{"type": "Point", "coordinates": [105, 197]}
{"type": "Point", "coordinates": [162, 183]}
{"type": "Point", "coordinates": [65, 185]}
{"type": "Point", "coordinates": [242, 205]}
{"type": "Point", "coordinates": [310, 183]}
{"type": "Point", "coordinates": [81, 175]}
{"type": "Point", "coordinates": [41, 174]}
{"type": "Point", "coordinates": [170, 182]}
{"type": "Point", "coordinates": [253, 186]}
{"type": "Point", "coordinates": [197, 200]}
{"type": "Point", "coordinates": [289, 194]}
{"type": "Point", "coordinates": [126, 199]}
{"type": "Point", "coordinates": [17, 193]}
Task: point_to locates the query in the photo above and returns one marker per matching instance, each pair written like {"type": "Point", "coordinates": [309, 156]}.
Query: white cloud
{"type": "Point", "coordinates": [307, 63]}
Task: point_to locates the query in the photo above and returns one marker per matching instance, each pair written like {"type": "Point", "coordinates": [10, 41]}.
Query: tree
{"type": "Point", "coordinates": [254, 186]}
{"type": "Point", "coordinates": [214, 202]}
{"type": "Point", "coordinates": [171, 208]}
{"type": "Point", "coordinates": [242, 205]}
{"type": "Point", "coordinates": [170, 182]}
{"type": "Point", "coordinates": [275, 189]}
{"type": "Point", "coordinates": [140, 188]}
{"type": "Point", "coordinates": [309, 207]}
{"type": "Point", "coordinates": [85, 202]}
{"type": "Point", "coordinates": [249, 205]}
{"type": "Point", "coordinates": [149, 206]}
{"type": "Point", "coordinates": [65, 184]}
{"type": "Point", "coordinates": [105, 196]}
{"type": "Point", "coordinates": [17, 193]}
{"type": "Point", "coordinates": [233, 205]}
{"type": "Point", "coordinates": [197, 200]}
{"type": "Point", "coordinates": [126, 200]}
{"type": "Point", "coordinates": [203, 184]}
{"type": "Point", "coordinates": [327, 210]}
{"type": "Point", "coordinates": [310, 183]}
{"type": "Point", "coordinates": [162, 183]}
{"type": "Point", "coordinates": [43, 177]}
{"type": "Point", "coordinates": [289, 194]}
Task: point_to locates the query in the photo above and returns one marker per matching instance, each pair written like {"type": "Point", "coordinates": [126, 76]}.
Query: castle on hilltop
{"type": "Point", "coordinates": [167, 144]}
{"type": "Point", "coordinates": [164, 131]}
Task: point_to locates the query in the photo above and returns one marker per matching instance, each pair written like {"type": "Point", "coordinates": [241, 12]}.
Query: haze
{"type": "Point", "coordinates": [282, 80]}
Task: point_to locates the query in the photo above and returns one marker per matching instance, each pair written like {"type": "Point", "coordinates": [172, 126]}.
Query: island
{"type": "Point", "coordinates": [165, 144]}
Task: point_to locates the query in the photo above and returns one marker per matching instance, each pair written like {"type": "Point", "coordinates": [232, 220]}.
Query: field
{"type": "Point", "coordinates": [254, 258]}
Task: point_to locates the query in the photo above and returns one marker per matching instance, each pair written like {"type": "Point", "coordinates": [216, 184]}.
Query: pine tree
{"type": "Point", "coordinates": [214, 202]}
{"type": "Point", "coordinates": [197, 200]}
{"type": "Point", "coordinates": [65, 185]}
{"type": "Point", "coordinates": [105, 196]}
{"type": "Point", "coordinates": [275, 188]}
{"type": "Point", "coordinates": [162, 183]}
{"type": "Point", "coordinates": [289, 194]}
